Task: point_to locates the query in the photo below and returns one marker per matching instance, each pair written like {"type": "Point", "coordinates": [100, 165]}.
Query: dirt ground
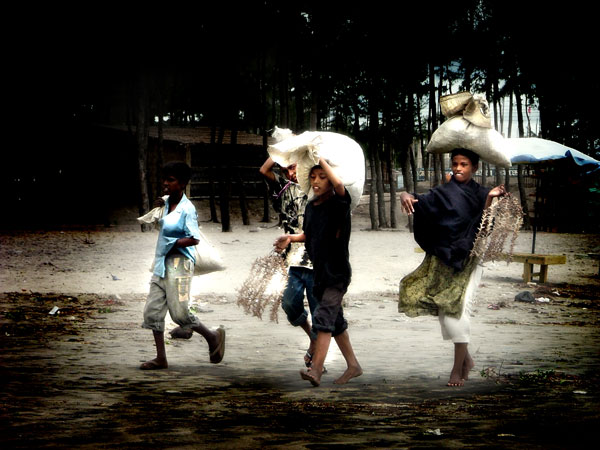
{"type": "Point", "coordinates": [71, 379]}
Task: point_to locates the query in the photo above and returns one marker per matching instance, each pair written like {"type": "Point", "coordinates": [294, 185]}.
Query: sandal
{"type": "Point", "coordinates": [216, 356]}
{"type": "Point", "coordinates": [308, 361]}
{"type": "Point", "coordinates": [153, 365]}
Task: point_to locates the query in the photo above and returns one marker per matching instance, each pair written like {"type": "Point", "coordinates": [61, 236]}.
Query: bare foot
{"type": "Point", "coordinates": [467, 366]}
{"type": "Point", "coordinates": [155, 364]}
{"type": "Point", "coordinates": [455, 380]}
{"type": "Point", "coordinates": [310, 375]}
{"type": "Point", "coordinates": [351, 372]}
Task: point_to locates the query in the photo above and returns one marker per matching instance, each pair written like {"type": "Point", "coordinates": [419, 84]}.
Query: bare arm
{"type": "Point", "coordinates": [266, 169]}
{"type": "Point", "coordinates": [282, 242]}
{"type": "Point", "coordinates": [186, 242]}
{"type": "Point", "coordinates": [498, 191]}
{"type": "Point", "coordinates": [336, 182]}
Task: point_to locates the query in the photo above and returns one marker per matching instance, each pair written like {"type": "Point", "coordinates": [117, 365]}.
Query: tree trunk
{"type": "Point", "coordinates": [522, 192]}
{"type": "Point", "coordinates": [437, 169]}
{"type": "Point", "coordinates": [432, 102]}
{"type": "Point", "coordinates": [314, 104]}
{"type": "Point", "coordinates": [424, 155]}
{"type": "Point", "coordinates": [393, 185]}
{"type": "Point", "coordinates": [283, 94]}
{"type": "Point", "coordinates": [415, 181]}
{"type": "Point", "coordinates": [484, 169]}
{"type": "Point", "coordinates": [225, 185]}
{"type": "Point", "coordinates": [242, 189]}
{"type": "Point", "coordinates": [410, 137]}
{"type": "Point", "coordinates": [265, 139]}
{"type": "Point", "coordinates": [433, 120]}
{"type": "Point", "coordinates": [413, 167]}
{"type": "Point", "coordinates": [375, 164]}
{"type": "Point", "coordinates": [372, 195]}
{"type": "Point", "coordinates": [439, 177]}
{"type": "Point", "coordinates": [160, 151]}
{"type": "Point", "coordinates": [243, 199]}
{"type": "Point", "coordinates": [266, 201]}
{"type": "Point", "coordinates": [299, 100]}
{"type": "Point", "coordinates": [141, 135]}
{"type": "Point", "coordinates": [212, 170]}
{"type": "Point", "coordinates": [509, 133]}
{"type": "Point", "coordinates": [380, 191]}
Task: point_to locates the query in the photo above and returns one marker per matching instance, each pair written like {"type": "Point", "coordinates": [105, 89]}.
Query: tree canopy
{"type": "Point", "coordinates": [374, 70]}
{"type": "Point", "coordinates": [266, 63]}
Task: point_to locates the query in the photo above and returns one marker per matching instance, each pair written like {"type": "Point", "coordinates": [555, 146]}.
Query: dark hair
{"type": "Point", "coordinates": [473, 157]}
{"type": "Point", "coordinates": [179, 170]}
{"type": "Point", "coordinates": [318, 166]}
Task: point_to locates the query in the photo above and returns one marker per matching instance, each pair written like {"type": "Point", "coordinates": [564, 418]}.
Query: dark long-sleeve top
{"type": "Point", "coordinates": [447, 219]}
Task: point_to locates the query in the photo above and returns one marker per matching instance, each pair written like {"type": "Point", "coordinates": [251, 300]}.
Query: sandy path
{"type": "Point", "coordinates": [81, 383]}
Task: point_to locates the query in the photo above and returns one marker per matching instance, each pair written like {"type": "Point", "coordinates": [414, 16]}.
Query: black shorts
{"type": "Point", "coordinates": [329, 315]}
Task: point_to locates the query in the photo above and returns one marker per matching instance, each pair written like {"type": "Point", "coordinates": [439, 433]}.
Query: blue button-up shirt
{"type": "Point", "coordinates": [182, 222]}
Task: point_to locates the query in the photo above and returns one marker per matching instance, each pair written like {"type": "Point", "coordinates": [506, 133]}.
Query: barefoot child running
{"type": "Point", "coordinates": [173, 270]}
{"type": "Point", "coordinates": [446, 221]}
{"type": "Point", "coordinates": [326, 233]}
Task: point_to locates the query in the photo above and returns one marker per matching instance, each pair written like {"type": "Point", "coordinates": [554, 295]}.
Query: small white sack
{"type": "Point", "coordinates": [344, 155]}
{"type": "Point", "coordinates": [207, 257]}
{"type": "Point", "coordinates": [457, 132]}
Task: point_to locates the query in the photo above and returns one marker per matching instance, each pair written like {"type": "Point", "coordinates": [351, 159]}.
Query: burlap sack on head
{"type": "Point", "coordinates": [344, 155]}
{"type": "Point", "coordinates": [458, 132]}
{"type": "Point", "coordinates": [469, 126]}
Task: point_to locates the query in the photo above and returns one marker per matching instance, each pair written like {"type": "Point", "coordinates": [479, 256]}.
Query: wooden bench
{"type": "Point", "coordinates": [530, 259]}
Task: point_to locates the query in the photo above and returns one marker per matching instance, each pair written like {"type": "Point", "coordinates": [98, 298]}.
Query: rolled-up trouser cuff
{"type": "Point", "coordinates": [329, 314]}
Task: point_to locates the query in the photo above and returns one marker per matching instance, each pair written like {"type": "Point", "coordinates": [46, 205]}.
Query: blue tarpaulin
{"type": "Point", "coordinates": [536, 150]}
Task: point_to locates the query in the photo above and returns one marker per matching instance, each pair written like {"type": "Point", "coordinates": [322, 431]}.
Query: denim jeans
{"type": "Point", "coordinates": [300, 280]}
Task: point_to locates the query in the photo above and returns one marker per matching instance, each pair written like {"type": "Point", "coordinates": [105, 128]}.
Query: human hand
{"type": "Point", "coordinates": [407, 202]}
{"type": "Point", "coordinates": [159, 202]}
{"type": "Point", "coordinates": [498, 191]}
{"type": "Point", "coordinates": [282, 242]}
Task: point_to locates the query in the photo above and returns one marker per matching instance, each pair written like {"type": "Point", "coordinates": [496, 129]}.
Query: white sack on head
{"type": "Point", "coordinates": [344, 155]}
{"type": "Point", "coordinates": [279, 134]}
{"type": "Point", "coordinates": [458, 132]}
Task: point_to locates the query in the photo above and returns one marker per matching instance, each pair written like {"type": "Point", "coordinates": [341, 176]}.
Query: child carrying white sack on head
{"type": "Point", "coordinates": [326, 233]}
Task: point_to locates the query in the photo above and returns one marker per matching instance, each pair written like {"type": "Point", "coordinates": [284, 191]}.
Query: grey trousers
{"type": "Point", "coordinates": [171, 293]}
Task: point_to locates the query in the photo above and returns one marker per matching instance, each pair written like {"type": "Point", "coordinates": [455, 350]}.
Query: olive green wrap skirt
{"type": "Point", "coordinates": [434, 288]}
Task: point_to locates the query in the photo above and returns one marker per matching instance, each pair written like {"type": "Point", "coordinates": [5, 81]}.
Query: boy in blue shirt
{"type": "Point", "coordinates": [173, 269]}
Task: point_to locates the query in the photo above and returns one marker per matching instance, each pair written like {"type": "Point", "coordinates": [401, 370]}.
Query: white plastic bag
{"type": "Point", "coordinates": [341, 152]}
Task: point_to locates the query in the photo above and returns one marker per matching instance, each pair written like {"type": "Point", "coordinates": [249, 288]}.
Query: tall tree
{"type": "Point", "coordinates": [141, 135]}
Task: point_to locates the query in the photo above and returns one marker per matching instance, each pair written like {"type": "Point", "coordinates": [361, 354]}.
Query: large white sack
{"type": "Point", "coordinates": [344, 155]}
{"type": "Point", "coordinates": [457, 132]}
